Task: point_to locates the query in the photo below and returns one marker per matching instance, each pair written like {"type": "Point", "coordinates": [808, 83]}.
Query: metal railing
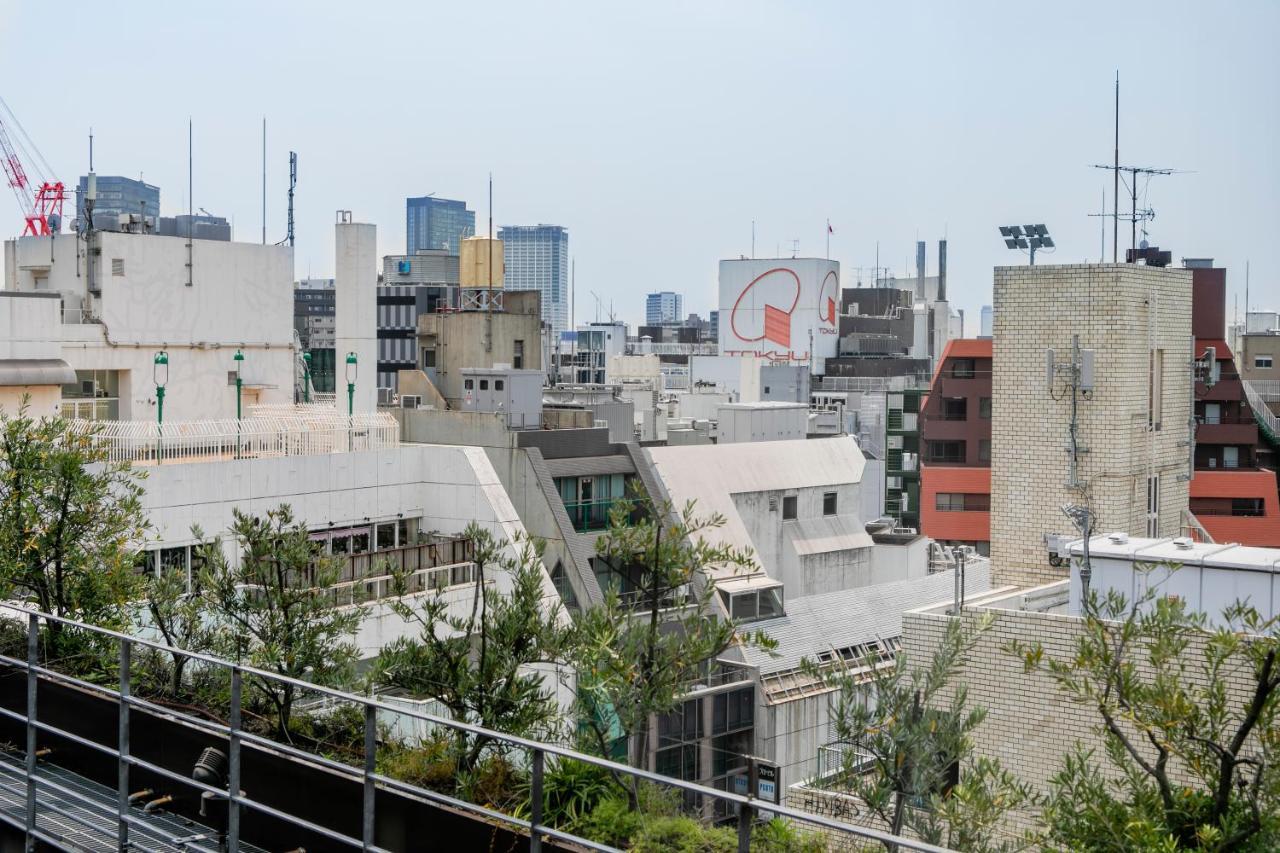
{"type": "Point", "coordinates": [872, 383]}
{"type": "Point", "coordinates": [367, 775]}
{"type": "Point", "coordinates": [303, 433]}
{"type": "Point", "coordinates": [1265, 417]}
{"type": "Point", "coordinates": [589, 515]}
{"type": "Point", "coordinates": [1267, 389]}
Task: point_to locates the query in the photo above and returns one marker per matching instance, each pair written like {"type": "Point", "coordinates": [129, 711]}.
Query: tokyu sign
{"type": "Point", "coordinates": [784, 310]}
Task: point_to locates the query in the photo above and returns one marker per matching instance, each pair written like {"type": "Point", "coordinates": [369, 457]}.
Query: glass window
{"type": "Point", "coordinates": [484, 384]}
{"type": "Point", "coordinates": [946, 451]}
{"type": "Point", "coordinates": [770, 602]}
{"type": "Point", "coordinates": [360, 542]}
{"type": "Point", "coordinates": [341, 544]}
{"type": "Point", "coordinates": [984, 408]}
{"type": "Point", "coordinates": [829, 503]}
{"type": "Point", "coordinates": [744, 606]}
{"type": "Point", "coordinates": [386, 536]}
{"type": "Point", "coordinates": [468, 384]}
{"type": "Point", "coordinates": [498, 384]}
{"type": "Point", "coordinates": [984, 450]}
{"type": "Point", "coordinates": [402, 533]}
{"type": "Point", "coordinates": [955, 408]}
{"type": "Point", "coordinates": [789, 504]}
{"type": "Point", "coordinates": [1262, 362]}
{"type": "Point", "coordinates": [962, 368]}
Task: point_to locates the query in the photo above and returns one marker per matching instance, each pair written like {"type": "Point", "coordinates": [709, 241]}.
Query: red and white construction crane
{"type": "Point", "coordinates": [41, 203]}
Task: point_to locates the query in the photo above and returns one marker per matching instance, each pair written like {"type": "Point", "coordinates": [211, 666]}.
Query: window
{"type": "Point", "coordinates": [1230, 457]}
{"type": "Point", "coordinates": [1212, 413]}
{"type": "Point", "coordinates": [756, 604]}
{"type": "Point", "coordinates": [789, 503]}
{"type": "Point", "coordinates": [945, 451]}
{"type": "Point", "coordinates": [962, 502]}
{"type": "Point", "coordinates": [1262, 362]}
{"type": "Point", "coordinates": [984, 408]}
{"type": "Point", "coordinates": [484, 384]}
{"type": "Point", "coordinates": [955, 409]}
{"type": "Point", "coordinates": [984, 450]}
{"type": "Point", "coordinates": [468, 384]}
{"type": "Point", "coordinates": [428, 358]}
{"type": "Point", "coordinates": [1251, 507]}
{"type": "Point", "coordinates": [498, 384]}
{"type": "Point", "coordinates": [962, 368]}
{"type": "Point", "coordinates": [733, 710]}
{"type": "Point", "coordinates": [829, 503]}
{"type": "Point", "coordinates": [1155, 388]}
{"type": "Point", "coordinates": [517, 355]}
{"type": "Point", "coordinates": [1153, 506]}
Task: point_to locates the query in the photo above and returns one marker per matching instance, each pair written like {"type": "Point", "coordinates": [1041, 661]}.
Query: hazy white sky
{"type": "Point", "coordinates": [658, 131]}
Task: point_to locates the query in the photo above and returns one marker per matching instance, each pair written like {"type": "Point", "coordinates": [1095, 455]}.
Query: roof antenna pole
{"type": "Point", "coordinates": [1115, 193]}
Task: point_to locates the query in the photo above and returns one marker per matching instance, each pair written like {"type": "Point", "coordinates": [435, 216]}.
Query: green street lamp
{"type": "Point", "coordinates": [160, 374]}
{"type": "Point", "coordinates": [239, 360]}
{"type": "Point", "coordinates": [352, 368]}
{"type": "Point", "coordinates": [306, 377]}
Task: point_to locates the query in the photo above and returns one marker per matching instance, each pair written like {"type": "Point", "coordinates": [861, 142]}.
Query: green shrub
{"type": "Point", "coordinates": [432, 764]}
{"type": "Point", "coordinates": [683, 835]}
{"type": "Point", "coordinates": [611, 822]}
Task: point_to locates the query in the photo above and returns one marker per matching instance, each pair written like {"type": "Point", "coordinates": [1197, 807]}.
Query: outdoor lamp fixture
{"type": "Point", "coordinates": [160, 374]}
{"type": "Point", "coordinates": [352, 368]}
{"type": "Point", "coordinates": [306, 377]}
{"type": "Point", "coordinates": [239, 360]}
{"type": "Point", "coordinates": [1083, 519]}
{"type": "Point", "coordinates": [1029, 237]}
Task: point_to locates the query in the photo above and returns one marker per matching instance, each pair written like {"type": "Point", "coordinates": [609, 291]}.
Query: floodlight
{"type": "Point", "coordinates": [1030, 237]}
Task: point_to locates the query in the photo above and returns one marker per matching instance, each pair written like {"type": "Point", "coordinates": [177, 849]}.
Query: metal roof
{"type": "Point", "coordinates": [820, 535]}
{"type": "Point", "coordinates": [587, 466]}
{"type": "Point", "coordinates": [36, 371]}
{"type": "Point", "coordinates": [835, 620]}
{"type": "Point", "coordinates": [1181, 551]}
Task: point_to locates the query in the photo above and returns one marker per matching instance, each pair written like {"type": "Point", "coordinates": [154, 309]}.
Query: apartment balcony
{"type": "Point", "coordinates": [1227, 430]}
{"type": "Point", "coordinates": [970, 428]}
{"type": "Point", "coordinates": [1226, 391]}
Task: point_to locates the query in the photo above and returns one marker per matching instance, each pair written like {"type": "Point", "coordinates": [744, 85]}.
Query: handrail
{"type": "Point", "coordinates": [538, 750]}
{"type": "Point", "coordinates": [1262, 413]}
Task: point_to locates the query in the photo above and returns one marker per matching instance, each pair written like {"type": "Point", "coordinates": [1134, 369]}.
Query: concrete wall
{"type": "Point", "coordinates": [241, 297]}
{"type": "Point", "coordinates": [1110, 307]}
{"type": "Point", "coordinates": [459, 342]}
{"type": "Point", "coordinates": [761, 422]}
{"type": "Point", "coordinates": [356, 314]}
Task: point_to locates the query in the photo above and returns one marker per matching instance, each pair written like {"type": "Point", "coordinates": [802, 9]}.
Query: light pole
{"type": "Point", "coordinates": [160, 374]}
{"type": "Point", "coordinates": [239, 360]}
{"type": "Point", "coordinates": [1083, 518]}
{"type": "Point", "coordinates": [306, 377]}
{"type": "Point", "coordinates": [352, 368]}
{"type": "Point", "coordinates": [1029, 237]}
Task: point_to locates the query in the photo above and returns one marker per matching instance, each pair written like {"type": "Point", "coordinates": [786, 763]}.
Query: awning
{"type": "Point", "coordinates": [35, 371]}
{"type": "Point", "coordinates": [590, 466]}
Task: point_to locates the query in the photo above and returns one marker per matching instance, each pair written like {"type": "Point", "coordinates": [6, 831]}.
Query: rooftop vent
{"type": "Point", "coordinates": [1119, 538]}
{"type": "Point", "coordinates": [1182, 543]}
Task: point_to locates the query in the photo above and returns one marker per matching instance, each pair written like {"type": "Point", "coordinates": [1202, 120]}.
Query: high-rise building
{"type": "Point", "coordinates": [436, 223]}
{"type": "Point", "coordinates": [664, 306]}
{"type": "Point", "coordinates": [985, 328]}
{"type": "Point", "coordinates": [117, 195]}
{"type": "Point", "coordinates": [537, 258]}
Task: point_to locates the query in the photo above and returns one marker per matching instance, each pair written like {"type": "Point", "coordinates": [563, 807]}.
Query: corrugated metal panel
{"type": "Point", "coordinates": [590, 466]}
{"type": "Point", "coordinates": [829, 620]}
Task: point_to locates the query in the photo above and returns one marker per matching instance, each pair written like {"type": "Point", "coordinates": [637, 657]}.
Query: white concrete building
{"type": "Point", "coordinates": [737, 422]}
{"type": "Point", "coordinates": [126, 297]}
{"type": "Point", "coordinates": [31, 365]}
{"type": "Point", "coordinates": [796, 504]}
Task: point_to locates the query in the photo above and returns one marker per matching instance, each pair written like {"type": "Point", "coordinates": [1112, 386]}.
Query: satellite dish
{"type": "Point", "coordinates": [55, 222]}
{"type": "Point", "coordinates": [1143, 244]}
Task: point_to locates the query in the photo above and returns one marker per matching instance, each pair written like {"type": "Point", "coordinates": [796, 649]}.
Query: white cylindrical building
{"type": "Point", "coordinates": [355, 315]}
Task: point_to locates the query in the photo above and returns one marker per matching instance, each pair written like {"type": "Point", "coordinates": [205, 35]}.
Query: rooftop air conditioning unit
{"type": "Point", "coordinates": [410, 401]}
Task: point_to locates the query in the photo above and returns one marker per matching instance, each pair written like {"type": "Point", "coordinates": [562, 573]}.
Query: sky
{"type": "Point", "coordinates": [658, 132]}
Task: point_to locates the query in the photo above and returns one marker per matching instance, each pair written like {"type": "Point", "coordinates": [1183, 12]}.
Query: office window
{"type": "Point", "coordinates": [1262, 362]}
{"type": "Point", "coordinates": [789, 507]}
{"type": "Point", "coordinates": [517, 355]}
{"type": "Point", "coordinates": [829, 503]}
{"type": "Point", "coordinates": [962, 368]}
{"type": "Point", "coordinates": [984, 408]}
{"type": "Point", "coordinates": [429, 358]}
{"type": "Point", "coordinates": [1230, 457]}
{"type": "Point", "coordinates": [945, 451]}
{"type": "Point", "coordinates": [984, 450]}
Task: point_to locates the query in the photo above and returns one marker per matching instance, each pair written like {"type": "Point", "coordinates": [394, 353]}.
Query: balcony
{"type": "Point", "coordinates": [1228, 390]}
{"type": "Point", "coordinates": [1227, 430]}
{"type": "Point", "coordinates": [588, 516]}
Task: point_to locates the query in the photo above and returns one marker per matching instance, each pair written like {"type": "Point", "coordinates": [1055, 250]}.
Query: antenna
{"type": "Point", "coordinates": [264, 180]}
{"type": "Point", "coordinates": [191, 216]}
{"type": "Point", "coordinates": [293, 183]}
{"type": "Point", "coordinates": [90, 149]}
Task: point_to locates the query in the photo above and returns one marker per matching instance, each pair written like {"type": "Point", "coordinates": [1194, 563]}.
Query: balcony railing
{"type": "Point", "coordinates": [587, 516]}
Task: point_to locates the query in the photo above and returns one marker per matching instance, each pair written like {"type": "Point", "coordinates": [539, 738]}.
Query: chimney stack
{"type": "Point", "coordinates": [920, 294]}
{"type": "Point", "coordinates": [942, 270]}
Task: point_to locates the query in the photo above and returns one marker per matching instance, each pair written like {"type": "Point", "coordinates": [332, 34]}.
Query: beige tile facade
{"type": "Point", "coordinates": [1116, 309]}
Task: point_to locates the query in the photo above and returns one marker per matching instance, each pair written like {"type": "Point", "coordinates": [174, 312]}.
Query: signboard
{"type": "Point", "coordinates": [741, 784]}
{"type": "Point", "coordinates": [767, 781]}
{"type": "Point", "coordinates": [784, 310]}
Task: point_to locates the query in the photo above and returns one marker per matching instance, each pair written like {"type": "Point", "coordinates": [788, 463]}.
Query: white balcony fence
{"type": "Point", "coordinates": [303, 433]}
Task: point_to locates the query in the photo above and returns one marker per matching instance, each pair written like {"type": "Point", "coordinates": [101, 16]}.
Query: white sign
{"type": "Point", "coordinates": [781, 309]}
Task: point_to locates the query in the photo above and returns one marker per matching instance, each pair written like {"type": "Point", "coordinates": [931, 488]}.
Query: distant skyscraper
{"type": "Point", "coordinates": [436, 223]}
{"type": "Point", "coordinates": [118, 195]}
{"type": "Point", "coordinates": [985, 328]}
{"type": "Point", "coordinates": [713, 320]}
{"type": "Point", "coordinates": [537, 258]}
{"type": "Point", "coordinates": [664, 306]}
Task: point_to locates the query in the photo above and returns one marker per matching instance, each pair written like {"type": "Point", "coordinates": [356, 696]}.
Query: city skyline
{"type": "Point", "coordinates": [1009, 139]}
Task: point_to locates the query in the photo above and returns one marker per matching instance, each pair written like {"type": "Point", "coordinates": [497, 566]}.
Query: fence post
{"type": "Point", "coordinates": [33, 657]}
{"type": "Point", "coordinates": [535, 803]}
{"type": "Point", "coordinates": [233, 764]}
{"type": "Point", "coordinates": [122, 749]}
{"type": "Point", "coordinates": [370, 768]}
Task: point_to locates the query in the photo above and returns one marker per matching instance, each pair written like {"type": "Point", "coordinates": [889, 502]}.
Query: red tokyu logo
{"type": "Point", "coordinates": [827, 296]}
{"type": "Point", "coordinates": [779, 287]}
